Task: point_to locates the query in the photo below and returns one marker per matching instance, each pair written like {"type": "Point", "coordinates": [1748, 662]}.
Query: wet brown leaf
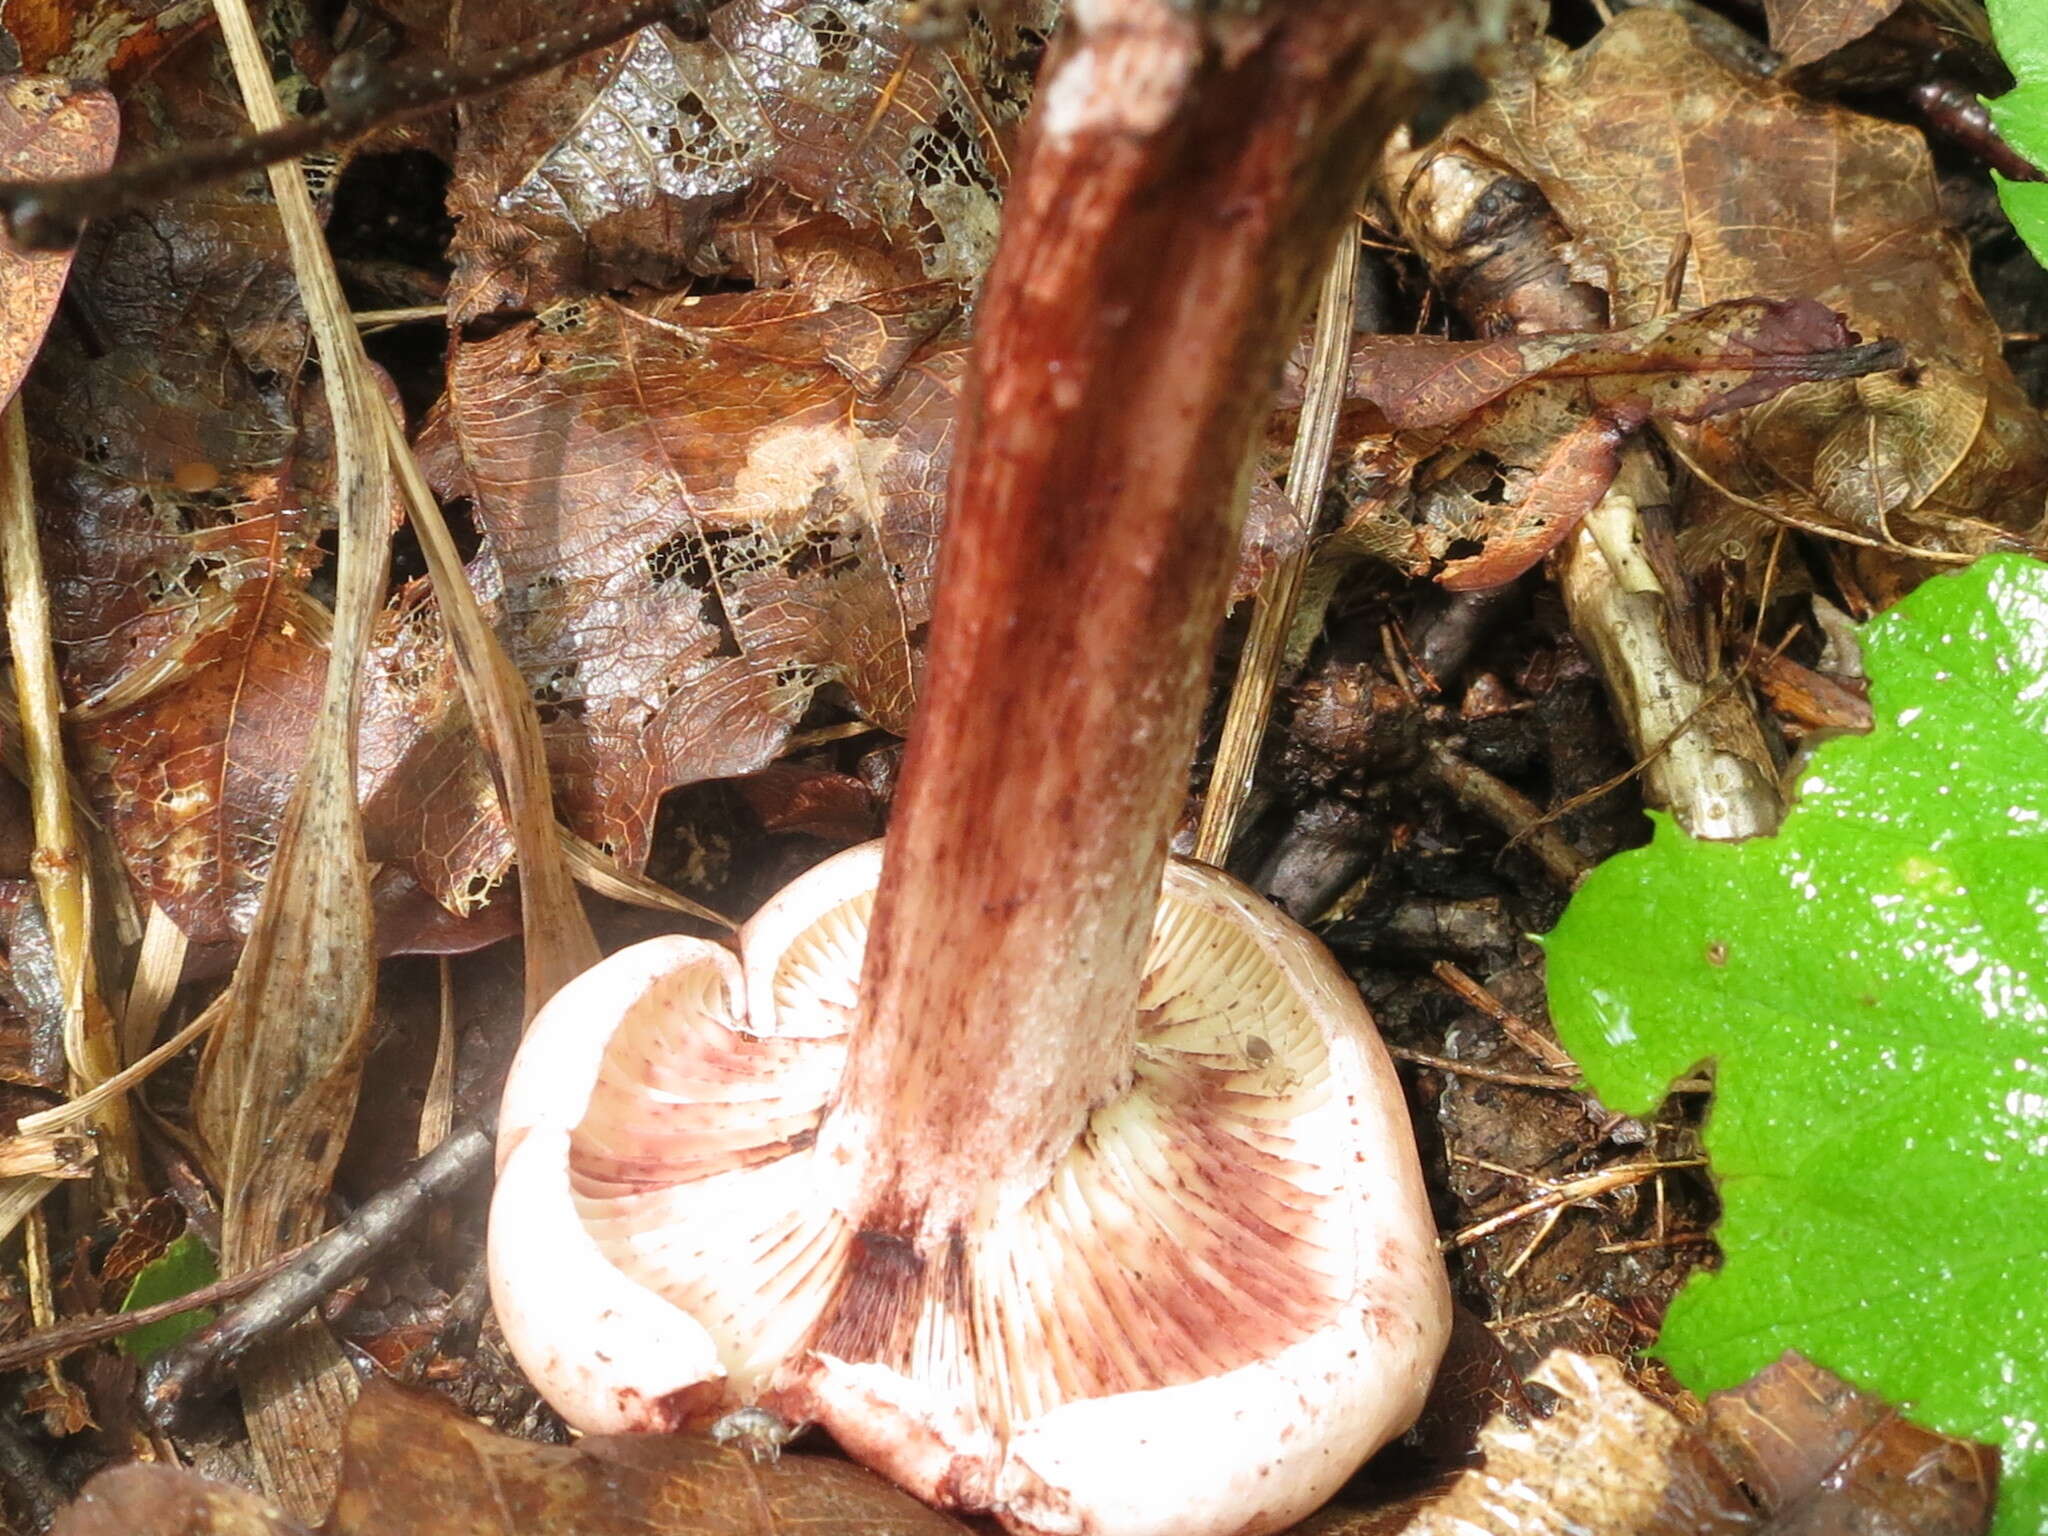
{"type": "Point", "coordinates": [1793, 1452]}
{"type": "Point", "coordinates": [149, 1500]}
{"type": "Point", "coordinates": [184, 470]}
{"type": "Point", "coordinates": [1563, 488]}
{"type": "Point", "coordinates": [96, 39]}
{"type": "Point", "coordinates": [1681, 367]}
{"type": "Point", "coordinates": [48, 127]}
{"type": "Point", "coordinates": [1510, 441]}
{"type": "Point", "coordinates": [1646, 137]}
{"type": "Point", "coordinates": [414, 1464]}
{"type": "Point", "coordinates": [1805, 30]}
{"type": "Point", "coordinates": [1822, 1457]}
{"type": "Point", "coordinates": [608, 173]}
{"type": "Point", "coordinates": [693, 521]}
{"type": "Point", "coordinates": [182, 480]}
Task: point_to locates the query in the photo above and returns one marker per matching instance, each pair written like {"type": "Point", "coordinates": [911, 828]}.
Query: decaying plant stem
{"type": "Point", "coordinates": [1279, 597]}
{"type": "Point", "coordinates": [278, 1083]}
{"type": "Point", "coordinates": [92, 1047]}
{"type": "Point", "coordinates": [1506, 272]}
{"type": "Point", "coordinates": [558, 940]}
{"type": "Point", "coordinates": [1160, 245]}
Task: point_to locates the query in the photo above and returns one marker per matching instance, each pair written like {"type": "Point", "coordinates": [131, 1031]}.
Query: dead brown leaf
{"type": "Point", "coordinates": [693, 522]}
{"type": "Point", "coordinates": [1680, 367]}
{"type": "Point", "coordinates": [607, 174]}
{"type": "Point", "coordinates": [1823, 1457]}
{"type": "Point", "coordinates": [143, 1499]}
{"type": "Point", "coordinates": [414, 1464]}
{"type": "Point", "coordinates": [184, 471]}
{"type": "Point", "coordinates": [96, 40]}
{"type": "Point", "coordinates": [48, 127]}
{"type": "Point", "coordinates": [1806, 30]}
{"type": "Point", "coordinates": [1510, 441]}
{"type": "Point", "coordinates": [1794, 1452]}
{"type": "Point", "coordinates": [182, 480]}
{"type": "Point", "coordinates": [1646, 137]}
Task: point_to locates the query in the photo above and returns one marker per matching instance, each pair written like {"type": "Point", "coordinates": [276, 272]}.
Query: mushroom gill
{"type": "Point", "coordinates": [1244, 1214]}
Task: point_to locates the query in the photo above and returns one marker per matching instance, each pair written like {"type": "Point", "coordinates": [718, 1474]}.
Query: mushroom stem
{"type": "Point", "coordinates": [1188, 174]}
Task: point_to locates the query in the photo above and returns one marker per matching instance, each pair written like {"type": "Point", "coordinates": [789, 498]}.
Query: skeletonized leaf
{"type": "Point", "coordinates": [692, 522]}
{"type": "Point", "coordinates": [608, 172]}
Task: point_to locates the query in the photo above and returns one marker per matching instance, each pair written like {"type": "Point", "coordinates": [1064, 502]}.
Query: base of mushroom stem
{"type": "Point", "coordinates": [1226, 1295]}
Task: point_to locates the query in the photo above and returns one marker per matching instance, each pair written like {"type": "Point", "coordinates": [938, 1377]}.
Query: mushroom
{"type": "Point", "coordinates": [1058, 1181]}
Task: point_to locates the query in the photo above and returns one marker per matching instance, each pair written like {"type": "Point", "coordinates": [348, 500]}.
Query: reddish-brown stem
{"type": "Point", "coordinates": [1179, 195]}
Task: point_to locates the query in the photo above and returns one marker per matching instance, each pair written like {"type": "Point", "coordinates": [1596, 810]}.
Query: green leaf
{"type": "Point", "coordinates": [184, 1267]}
{"type": "Point", "coordinates": [2026, 204]}
{"type": "Point", "coordinates": [2021, 30]}
{"type": "Point", "coordinates": [1872, 986]}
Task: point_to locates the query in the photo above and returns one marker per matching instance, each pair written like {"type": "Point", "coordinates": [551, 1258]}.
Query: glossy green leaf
{"type": "Point", "coordinates": [1872, 988]}
{"type": "Point", "coordinates": [2021, 29]}
{"type": "Point", "coordinates": [182, 1268]}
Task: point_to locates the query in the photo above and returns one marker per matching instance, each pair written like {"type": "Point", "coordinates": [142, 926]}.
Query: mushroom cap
{"type": "Point", "coordinates": [1223, 1299]}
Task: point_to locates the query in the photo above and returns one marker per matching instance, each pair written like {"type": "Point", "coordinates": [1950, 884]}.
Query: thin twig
{"type": "Point", "coordinates": [1552, 1056]}
{"type": "Point", "coordinates": [362, 94]}
{"type": "Point", "coordinates": [1536, 1240]}
{"type": "Point", "coordinates": [1510, 810]}
{"type": "Point", "coordinates": [1600, 1182]}
{"type": "Point", "coordinates": [377, 319]}
{"type": "Point", "coordinates": [1483, 1073]}
{"type": "Point", "coordinates": [199, 1368]}
{"type": "Point", "coordinates": [78, 1333]}
{"type": "Point", "coordinates": [1654, 1244]}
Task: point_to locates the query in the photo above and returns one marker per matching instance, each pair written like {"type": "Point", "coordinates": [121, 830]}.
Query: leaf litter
{"type": "Point", "coordinates": [708, 305]}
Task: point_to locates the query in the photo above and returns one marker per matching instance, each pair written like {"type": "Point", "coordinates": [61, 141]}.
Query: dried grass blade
{"type": "Point", "coordinates": [60, 1156]}
{"type": "Point", "coordinates": [1265, 647]}
{"type": "Point", "coordinates": [67, 1115]}
{"type": "Point", "coordinates": [158, 966]}
{"type": "Point", "coordinates": [606, 876]}
{"type": "Point", "coordinates": [18, 1197]}
{"type": "Point", "coordinates": [279, 1080]}
{"type": "Point", "coordinates": [559, 943]}
{"type": "Point", "coordinates": [92, 1048]}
